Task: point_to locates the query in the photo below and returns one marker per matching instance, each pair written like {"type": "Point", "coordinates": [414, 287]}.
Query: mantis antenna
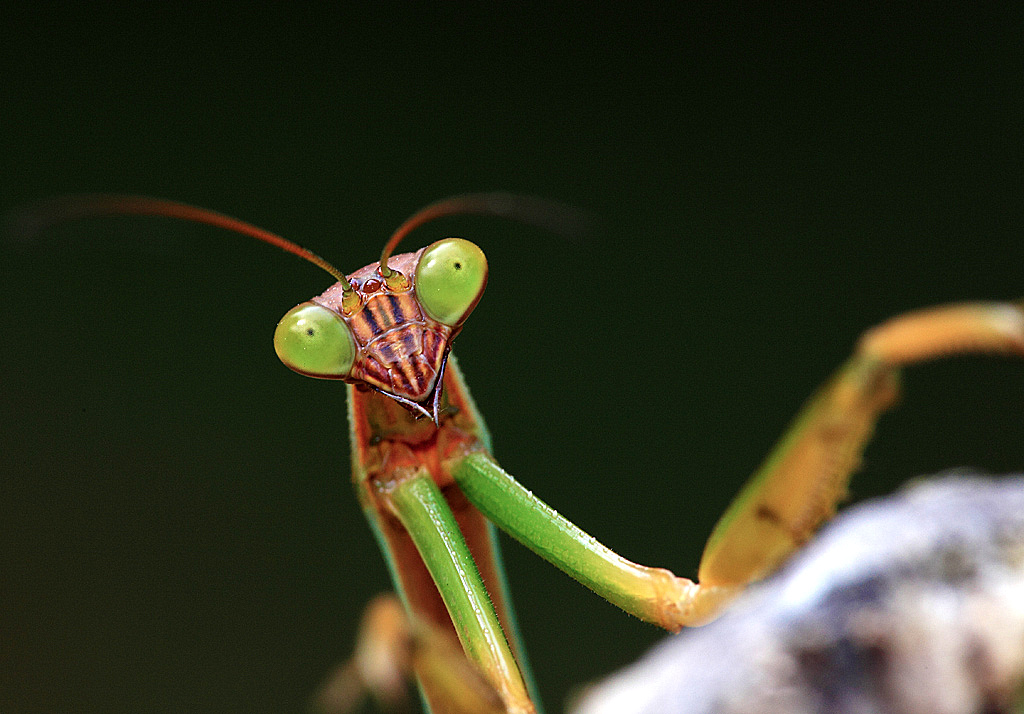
{"type": "Point", "coordinates": [551, 216]}
{"type": "Point", "coordinates": [548, 215]}
{"type": "Point", "coordinates": [94, 205]}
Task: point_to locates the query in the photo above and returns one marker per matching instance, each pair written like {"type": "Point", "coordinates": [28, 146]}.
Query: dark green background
{"type": "Point", "coordinates": [176, 529]}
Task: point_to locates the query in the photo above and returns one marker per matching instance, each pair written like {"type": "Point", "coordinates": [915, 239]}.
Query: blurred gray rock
{"type": "Point", "coordinates": [911, 604]}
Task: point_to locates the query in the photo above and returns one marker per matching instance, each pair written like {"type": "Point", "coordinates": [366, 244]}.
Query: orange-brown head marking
{"type": "Point", "coordinates": [390, 334]}
{"type": "Point", "coordinates": [400, 349]}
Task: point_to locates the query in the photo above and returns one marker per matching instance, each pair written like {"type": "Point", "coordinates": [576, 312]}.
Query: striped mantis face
{"type": "Point", "coordinates": [389, 329]}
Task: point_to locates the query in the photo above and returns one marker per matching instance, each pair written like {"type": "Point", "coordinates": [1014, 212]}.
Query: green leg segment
{"type": "Point", "coordinates": [425, 514]}
{"type": "Point", "coordinates": [652, 594]}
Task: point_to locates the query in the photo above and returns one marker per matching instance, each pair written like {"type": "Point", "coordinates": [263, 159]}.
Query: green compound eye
{"type": "Point", "coordinates": [450, 279]}
{"type": "Point", "coordinates": [315, 341]}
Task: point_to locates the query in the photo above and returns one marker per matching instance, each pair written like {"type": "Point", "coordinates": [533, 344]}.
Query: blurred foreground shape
{"type": "Point", "coordinates": [911, 604]}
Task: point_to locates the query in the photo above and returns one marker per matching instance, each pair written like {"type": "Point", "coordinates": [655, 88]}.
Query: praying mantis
{"type": "Point", "coordinates": [433, 494]}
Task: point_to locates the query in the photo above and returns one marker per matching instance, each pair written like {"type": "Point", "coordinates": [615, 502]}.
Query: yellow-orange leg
{"type": "Point", "coordinates": [390, 650]}
{"type": "Point", "coordinates": [800, 483]}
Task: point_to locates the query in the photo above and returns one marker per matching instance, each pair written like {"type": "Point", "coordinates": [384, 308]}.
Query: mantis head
{"type": "Point", "coordinates": [390, 325]}
{"type": "Point", "coordinates": [391, 332]}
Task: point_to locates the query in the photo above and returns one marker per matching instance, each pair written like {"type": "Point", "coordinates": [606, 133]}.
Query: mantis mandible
{"type": "Point", "coordinates": [433, 494]}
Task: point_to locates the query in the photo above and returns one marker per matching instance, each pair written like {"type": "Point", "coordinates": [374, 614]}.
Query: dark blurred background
{"type": "Point", "coordinates": [177, 532]}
